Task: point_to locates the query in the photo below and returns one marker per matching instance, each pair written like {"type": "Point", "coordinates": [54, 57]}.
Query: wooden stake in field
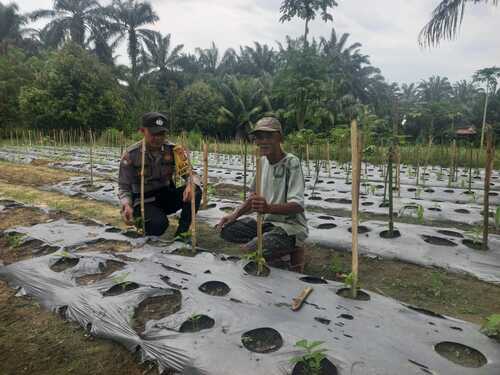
{"type": "Point", "coordinates": [193, 208]}
{"type": "Point", "coordinates": [143, 162]}
{"type": "Point", "coordinates": [328, 162]}
{"type": "Point", "coordinates": [490, 157]}
{"type": "Point", "coordinates": [91, 158]}
{"type": "Point", "coordinates": [205, 177]}
{"type": "Point", "coordinates": [245, 170]}
{"type": "Point", "coordinates": [355, 151]}
{"type": "Point", "coordinates": [307, 161]}
{"type": "Point", "coordinates": [258, 192]}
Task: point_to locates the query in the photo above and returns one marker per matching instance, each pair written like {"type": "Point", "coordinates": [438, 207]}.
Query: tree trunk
{"type": "Point", "coordinates": [132, 50]}
{"type": "Point", "coordinates": [306, 32]}
{"type": "Point", "coordinates": [484, 118]}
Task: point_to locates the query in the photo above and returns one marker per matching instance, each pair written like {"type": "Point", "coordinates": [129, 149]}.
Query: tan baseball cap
{"type": "Point", "coordinates": [268, 124]}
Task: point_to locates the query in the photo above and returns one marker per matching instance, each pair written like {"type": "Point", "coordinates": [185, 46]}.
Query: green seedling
{"type": "Point", "coordinates": [336, 266]}
{"type": "Point", "coordinates": [138, 224]}
{"type": "Point", "coordinates": [312, 358]}
{"type": "Point", "coordinates": [195, 318]}
{"type": "Point", "coordinates": [260, 261]}
{"type": "Point", "coordinates": [473, 197]}
{"type": "Point", "coordinates": [210, 191]}
{"type": "Point", "coordinates": [475, 234]}
{"type": "Point", "coordinates": [492, 326]}
{"type": "Point", "coordinates": [418, 192]}
{"type": "Point", "coordinates": [15, 240]}
{"type": "Point", "coordinates": [122, 278]}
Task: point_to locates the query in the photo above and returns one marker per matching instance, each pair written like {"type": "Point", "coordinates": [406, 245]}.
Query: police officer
{"type": "Point", "coordinates": [161, 196]}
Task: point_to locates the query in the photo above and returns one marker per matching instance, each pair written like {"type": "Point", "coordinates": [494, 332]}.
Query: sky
{"type": "Point", "coordinates": [387, 29]}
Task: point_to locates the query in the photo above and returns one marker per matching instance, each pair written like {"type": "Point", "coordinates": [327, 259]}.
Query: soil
{"type": "Point", "coordinates": [156, 308]}
{"type": "Point", "coordinates": [438, 241]}
{"type": "Point", "coordinates": [197, 323]}
{"type": "Point", "coordinates": [450, 233]}
{"type": "Point", "coordinates": [461, 355]}
{"type": "Point", "coordinates": [262, 340]}
{"type": "Point", "coordinates": [252, 269]}
{"type": "Point", "coordinates": [20, 174]}
{"type": "Point", "coordinates": [120, 288]}
{"type": "Point", "coordinates": [326, 226]}
{"type": "Point", "coordinates": [109, 267]}
{"type": "Point", "coordinates": [185, 251]}
{"type": "Point", "coordinates": [106, 246]}
{"type": "Point", "coordinates": [361, 229]}
{"type": "Point", "coordinates": [327, 368]}
{"type": "Point", "coordinates": [11, 252]}
{"type": "Point", "coordinates": [474, 245]}
{"type": "Point", "coordinates": [347, 293]}
{"type": "Point", "coordinates": [215, 288]}
{"type": "Point", "coordinates": [64, 263]}
{"type": "Point", "coordinates": [386, 234]}
{"type": "Point", "coordinates": [229, 191]}
{"type": "Point", "coordinates": [313, 280]}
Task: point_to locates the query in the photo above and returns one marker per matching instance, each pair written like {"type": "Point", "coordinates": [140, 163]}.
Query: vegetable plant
{"type": "Point", "coordinates": [492, 326]}
{"type": "Point", "coordinates": [312, 358]}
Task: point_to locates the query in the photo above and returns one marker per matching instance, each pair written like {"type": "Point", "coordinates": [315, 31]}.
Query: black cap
{"type": "Point", "coordinates": [154, 121]}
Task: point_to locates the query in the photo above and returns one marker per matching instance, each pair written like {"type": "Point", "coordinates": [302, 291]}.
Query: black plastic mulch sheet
{"type": "Point", "coordinates": [204, 333]}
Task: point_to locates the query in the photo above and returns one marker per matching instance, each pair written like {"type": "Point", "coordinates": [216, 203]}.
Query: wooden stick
{"type": "Point", "coordinates": [328, 164]}
{"type": "Point", "coordinates": [258, 192]}
{"type": "Point", "coordinates": [143, 161]}
{"type": "Point", "coordinates": [205, 176]}
{"type": "Point", "coordinates": [307, 161]}
{"type": "Point", "coordinates": [355, 203]}
{"type": "Point", "coordinates": [193, 209]}
{"type": "Point", "coordinates": [490, 156]}
{"type": "Point", "coordinates": [91, 159]}
{"type": "Point", "coordinates": [299, 300]}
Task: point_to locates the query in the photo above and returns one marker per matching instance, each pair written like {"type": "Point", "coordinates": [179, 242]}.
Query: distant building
{"type": "Point", "coordinates": [468, 131]}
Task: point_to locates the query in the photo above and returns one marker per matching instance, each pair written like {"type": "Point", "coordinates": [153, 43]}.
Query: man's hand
{"type": "Point", "coordinates": [259, 205]}
{"type": "Point", "coordinates": [128, 214]}
{"type": "Point", "coordinates": [228, 219]}
{"type": "Point", "coordinates": [186, 195]}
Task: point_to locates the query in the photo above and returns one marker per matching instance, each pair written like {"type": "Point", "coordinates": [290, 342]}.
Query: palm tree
{"type": "Point", "coordinates": [435, 89]}
{"type": "Point", "coordinates": [490, 77]}
{"type": "Point", "coordinates": [130, 16]}
{"type": "Point", "coordinates": [258, 60]}
{"type": "Point", "coordinates": [75, 18]}
{"type": "Point", "coordinates": [161, 56]}
{"type": "Point", "coordinates": [209, 58]}
{"type": "Point", "coordinates": [306, 10]}
{"type": "Point", "coordinates": [11, 22]}
{"type": "Point", "coordinates": [446, 20]}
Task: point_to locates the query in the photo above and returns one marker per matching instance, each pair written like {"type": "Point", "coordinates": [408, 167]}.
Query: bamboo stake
{"type": "Point", "coordinates": [205, 176]}
{"type": "Point", "coordinates": [258, 192]}
{"type": "Point", "coordinates": [193, 208]}
{"type": "Point", "coordinates": [307, 161]}
{"type": "Point", "coordinates": [490, 156]}
{"type": "Point", "coordinates": [91, 160]}
{"type": "Point", "coordinates": [328, 164]}
{"type": "Point", "coordinates": [143, 162]}
{"type": "Point", "coordinates": [398, 170]}
{"type": "Point", "coordinates": [355, 203]}
{"type": "Point", "coordinates": [245, 170]}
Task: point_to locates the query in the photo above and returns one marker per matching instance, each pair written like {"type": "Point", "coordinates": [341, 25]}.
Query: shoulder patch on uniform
{"type": "Point", "coordinates": [135, 146]}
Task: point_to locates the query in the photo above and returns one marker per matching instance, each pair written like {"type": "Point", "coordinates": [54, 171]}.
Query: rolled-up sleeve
{"type": "Point", "coordinates": [126, 177]}
{"type": "Point", "coordinates": [296, 183]}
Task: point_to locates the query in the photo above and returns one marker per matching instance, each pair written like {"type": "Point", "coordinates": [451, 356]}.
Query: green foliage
{"type": "Point", "coordinates": [311, 359]}
{"type": "Point", "coordinates": [437, 284]}
{"type": "Point", "coordinates": [196, 108]}
{"type": "Point", "coordinates": [497, 218]}
{"type": "Point", "coordinates": [336, 265]}
{"type": "Point", "coordinates": [492, 326]}
{"type": "Point", "coordinates": [72, 90]}
{"type": "Point", "coordinates": [15, 240]}
{"type": "Point", "coordinates": [475, 234]}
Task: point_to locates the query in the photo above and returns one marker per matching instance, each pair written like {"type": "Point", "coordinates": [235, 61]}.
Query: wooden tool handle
{"type": "Point", "coordinates": [299, 300]}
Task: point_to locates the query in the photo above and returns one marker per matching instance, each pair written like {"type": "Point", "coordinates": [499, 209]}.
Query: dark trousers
{"type": "Point", "coordinates": [275, 241]}
{"type": "Point", "coordinates": [167, 201]}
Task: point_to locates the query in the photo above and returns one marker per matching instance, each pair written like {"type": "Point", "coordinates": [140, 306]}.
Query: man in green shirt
{"type": "Point", "coordinates": [281, 201]}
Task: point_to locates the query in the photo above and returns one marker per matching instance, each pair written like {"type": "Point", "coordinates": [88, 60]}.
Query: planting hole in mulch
{"type": "Point", "coordinates": [449, 191]}
{"type": "Point", "coordinates": [345, 316]}
{"type": "Point", "coordinates": [429, 190]}
{"type": "Point", "coordinates": [131, 233]}
{"type": "Point", "coordinates": [215, 288]}
{"type": "Point", "coordinates": [338, 200]}
{"type": "Point", "coordinates": [196, 323]}
{"type": "Point", "coordinates": [107, 269]}
{"type": "Point", "coordinates": [113, 230]}
{"type": "Point", "coordinates": [64, 263]}
{"type": "Point", "coordinates": [14, 247]}
{"type": "Point", "coordinates": [474, 244]}
{"type": "Point", "coordinates": [450, 233]}
{"type": "Point", "coordinates": [326, 226]}
{"type": "Point", "coordinates": [435, 209]}
{"type": "Point", "coordinates": [411, 190]}
{"type": "Point", "coordinates": [361, 229]}
{"type": "Point", "coordinates": [367, 204]}
{"type": "Point", "coordinates": [315, 198]}
{"type": "Point", "coordinates": [251, 269]}
{"type": "Point", "coordinates": [461, 355]}
{"type": "Point", "coordinates": [425, 312]}
{"type": "Point", "coordinates": [120, 288]}
{"type": "Point", "coordinates": [462, 211]}
{"type": "Point", "coordinates": [384, 205]}
{"type": "Point", "coordinates": [468, 192]}
{"type": "Point", "coordinates": [387, 235]}
{"type": "Point", "coordinates": [313, 280]}
{"type": "Point", "coordinates": [262, 340]}
{"type": "Point", "coordinates": [492, 194]}
{"type": "Point", "coordinates": [438, 241]}
{"type": "Point", "coordinates": [185, 251]}
{"type": "Point", "coordinates": [156, 308]}
{"type": "Point", "coordinates": [322, 320]}
{"type": "Point", "coordinates": [347, 293]}
{"type": "Point", "coordinates": [325, 217]}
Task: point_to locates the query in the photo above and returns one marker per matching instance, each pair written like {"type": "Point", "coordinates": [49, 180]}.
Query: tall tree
{"type": "Point", "coordinates": [11, 22]}
{"type": "Point", "coordinates": [306, 10]}
{"type": "Point", "coordinates": [162, 55]}
{"type": "Point", "coordinates": [70, 17]}
{"type": "Point", "coordinates": [258, 60]}
{"type": "Point", "coordinates": [490, 77]}
{"type": "Point", "coordinates": [130, 16]}
{"type": "Point", "coordinates": [446, 20]}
